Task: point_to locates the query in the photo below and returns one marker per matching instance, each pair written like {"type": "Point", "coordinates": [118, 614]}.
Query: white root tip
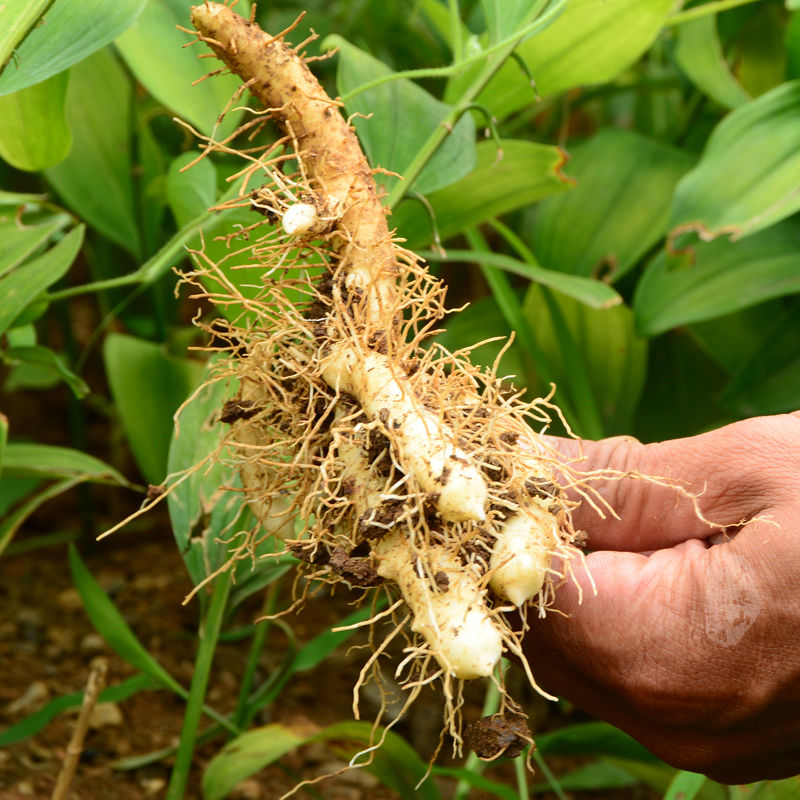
{"type": "Point", "coordinates": [521, 557]}
{"type": "Point", "coordinates": [300, 218]}
{"type": "Point", "coordinates": [463, 496]}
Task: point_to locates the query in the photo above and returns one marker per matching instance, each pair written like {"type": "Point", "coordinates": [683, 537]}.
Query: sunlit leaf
{"type": "Point", "coordinates": [19, 241]}
{"type": "Point", "coordinates": [699, 54]}
{"type": "Point", "coordinates": [34, 133]}
{"type": "Point", "coordinates": [591, 42]}
{"type": "Point", "coordinates": [50, 461]}
{"type": "Point", "coordinates": [19, 18]}
{"type": "Point", "coordinates": [153, 49]}
{"type": "Point", "coordinates": [69, 33]}
{"type": "Point", "coordinates": [518, 175]}
{"type": "Point", "coordinates": [402, 116]}
{"type": "Point", "coordinates": [618, 210]}
{"type": "Point", "coordinates": [685, 786]}
{"type": "Point", "coordinates": [95, 180]}
{"type": "Point", "coordinates": [395, 763]}
{"type": "Point", "coordinates": [748, 176]}
{"type": "Point", "coordinates": [504, 17]}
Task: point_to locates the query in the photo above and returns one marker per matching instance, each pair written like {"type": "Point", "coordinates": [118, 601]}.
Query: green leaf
{"type": "Point", "coordinates": [618, 210]}
{"type": "Point", "coordinates": [3, 441]}
{"type": "Point", "coordinates": [22, 286]}
{"type": "Point", "coordinates": [196, 491]}
{"type": "Point", "coordinates": [147, 386]}
{"type": "Point", "coordinates": [49, 362]}
{"type": "Point", "coordinates": [614, 357]}
{"type": "Point", "coordinates": [522, 173]}
{"type": "Point", "coordinates": [504, 17]}
{"type": "Point", "coordinates": [37, 721]}
{"type": "Point", "coordinates": [594, 777]}
{"type": "Point", "coordinates": [95, 179]}
{"type": "Point", "coordinates": [395, 763]}
{"type": "Point", "coordinates": [685, 786]}
{"type": "Point", "coordinates": [591, 42]}
{"type": "Point", "coordinates": [769, 381]}
{"type": "Point", "coordinates": [402, 116]}
{"type": "Point", "coordinates": [152, 185]}
{"type": "Point", "coordinates": [154, 50]}
{"type": "Point", "coordinates": [111, 625]}
{"type": "Point", "coordinates": [592, 739]}
{"type": "Point", "coordinates": [586, 290]}
{"type": "Point", "coordinates": [12, 522]}
{"type": "Point", "coordinates": [748, 176]}
{"type": "Point", "coordinates": [18, 18]}
{"type": "Point", "coordinates": [190, 193]}
{"type": "Point", "coordinates": [477, 781]}
{"type": "Point", "coordinates": [69, 33]}
{"type": "Point", "coordinates": [19, 241]}
{"type": "Point", "coordinates": [699, 55]}
{"type": "Point", "coordinates": [726, 276]}
{"type": "Point", "coordinates": [50, 461]}
{"type": "Point", "coordinates": [34, 133]}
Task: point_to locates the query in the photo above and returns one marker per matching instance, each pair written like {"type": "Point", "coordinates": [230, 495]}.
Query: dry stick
{"type": "Point", "coordinates": [95, 684]}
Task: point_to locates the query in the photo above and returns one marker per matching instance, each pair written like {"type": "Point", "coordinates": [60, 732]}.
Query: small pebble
{"type": "Point", "coordinates": [93, 643]}
{"type": "Point", "coordinates": [105, 715]}
{"type": "Point", "coordinates": [152, 785]}
{"type": "Point", "coordinates": [31, 699]}
{"type": "Point", "coordinates": [249, 789]}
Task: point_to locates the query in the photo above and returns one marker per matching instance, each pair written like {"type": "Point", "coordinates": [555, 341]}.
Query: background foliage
{"type": "Point", "coordinates": [623, 194]}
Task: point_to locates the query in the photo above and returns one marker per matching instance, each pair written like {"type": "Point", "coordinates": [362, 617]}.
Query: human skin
{"type": "Point", "coordinates": [690, 638]}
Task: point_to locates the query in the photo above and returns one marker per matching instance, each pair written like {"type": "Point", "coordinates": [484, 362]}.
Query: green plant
{"type": "Point", "coordinates": [652, 278]}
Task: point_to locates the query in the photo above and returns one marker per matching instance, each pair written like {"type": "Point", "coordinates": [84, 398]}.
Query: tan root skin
{"type": "Point", "coordinates": [401, 462]}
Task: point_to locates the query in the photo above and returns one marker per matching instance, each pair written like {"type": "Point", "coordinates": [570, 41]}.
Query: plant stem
{"type": "Point", "coordinates": [259, 637]}
{"type": "Point", "coordinates": [455, 31]}
{"type": "Point", "coordinates": [705, 10]}
{"type": "Point", "coordinates": [548, 774]}
{"type": "Point", "coordinates": [497, 56]}
{"type": "Point", "coordinates": [520, 770]}
{"type": "Point", "coordinates": [209, 633]}
{"type": "Point", "coordinates": [491, 702]}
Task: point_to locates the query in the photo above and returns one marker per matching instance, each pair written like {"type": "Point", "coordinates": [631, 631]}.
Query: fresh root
{"type": "Point", "coordinates": [383, 460]}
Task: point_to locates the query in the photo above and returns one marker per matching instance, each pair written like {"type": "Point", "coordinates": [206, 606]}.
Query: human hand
{"type": "Point", "coordinates": [691, 642]}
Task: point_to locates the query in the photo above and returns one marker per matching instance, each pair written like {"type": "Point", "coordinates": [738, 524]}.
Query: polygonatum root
{"type": "Point", "coordinates": [382, 459]}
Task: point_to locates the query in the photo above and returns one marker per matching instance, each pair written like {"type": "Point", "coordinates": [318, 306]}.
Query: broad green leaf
{"type": "Point", "coordinates": [586, 290]}
{"type": "Point", "coordinates": [402, 116]}
{"type": "Point", "coordinates": [95, 179]}
{"type": "Point", "coordinates": [699, 54]}
{"type": "Point", "coordinates": [749, 174]}
{"type": "Point", "coordinates": [618, 210]}
{"type": "Point", "coordinates": [614, 357]}
{"type": "Point", "coordinates": [760, 57]}
{"type": "Point", "coordinates": [34, 133]}
{"type": "Point", "coordinates": [395, 763]}
{"type": "Point", "coordinates": [679, 397]}
{"type": "Point", "coordinates": [69, 33]}
{"type": "Point", "coordinates": [480, 321]}
{"type": "Point", "coordinates": [12, 522]}
{"type": "Point", "coordinates": [477, 781]}
{"type": "Point", "coordinates": [19, 241]}
{"type": "Point", "coordinates": [50, 461]}
{"type": "Point", "coordinates": [111, 625]}
{"type": "Point", "coordinates": [194, 475]}
{"type": "Point", "coordinates": [502, 181]}
{"type": "Point", "coordinates": [154, 50]}
{"type": "Point", "coordinates": [591, 42]}
{"type": "Point", "coordinates": [594, 777]}
{"type": "Point", "coordinates": [152, 185]}
{"type": "Point", "coordinates": [3, 441]}
{"type": "Point", "coordinates": [504, 17]}
{"type": "Point", "coordinates": [769, 381]}
{"type": "Point", "coordinates": [685, 786]}
{"type": "Point", "coordinates": [147, 385]}
{"type": "Point", "coordinates": [22, 286]}
{"type": "Point", "coordinates": [19, 198]}
{"type": "Point", "coordinates": [48, 362]}
{"type": "Point", "coordinates": [726, 276]}
{"type": "Point", "coordinates": [37, 721]}
{"type": "Point", "coordinates": [191, 192]}
{"type": "Point", "coordinates": [17, 19]}
{"type": "Point", "coordinates": [769, 790]}
{"type": "Point", "coordinates": [592, 739]}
